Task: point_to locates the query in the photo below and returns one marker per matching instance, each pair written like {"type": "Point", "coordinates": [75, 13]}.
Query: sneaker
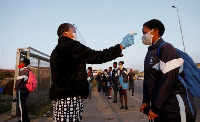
{"type": "Point", "coordinates": [122, 107]}
{"type": "Point", "coordinates": [126, 107]}
{"type": "Point", "coordinates": [109, 97]}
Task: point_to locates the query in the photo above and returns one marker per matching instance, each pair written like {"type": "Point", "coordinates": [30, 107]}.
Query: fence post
{"type": "Point", "coordinates": [38, 79]}
{"type": "Point", "coordinates": [14, 104]}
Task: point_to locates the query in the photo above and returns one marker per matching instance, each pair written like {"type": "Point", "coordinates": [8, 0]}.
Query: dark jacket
{"type": "Point", "coordinates": [98, 78]}
{"type": "Point", "coordinates": [161, 82]}
{"type": "Point", "coordinates": [109, 77]}
{"type": "Point", "coordinates": [68, 67]}
{"type": "Point", "coordinates": [124, 74]}
{"type": "Point", "coordinates": [22, 79]}
{"type": "Point", "coordinates": [114, 71]}
{"type": "Point", "coordinates": [103, 78]}
{"type": "Point", "coordinates": [131, 76]}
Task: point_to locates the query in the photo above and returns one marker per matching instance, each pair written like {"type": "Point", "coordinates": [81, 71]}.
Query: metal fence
{"type": "Point", "coordinates": [40, 66]}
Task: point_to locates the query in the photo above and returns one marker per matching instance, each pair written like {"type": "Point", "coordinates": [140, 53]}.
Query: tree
{"type": "Point", "coordinates": [1, 75]}
{"type": "Point", "coordinates": [7, 74]}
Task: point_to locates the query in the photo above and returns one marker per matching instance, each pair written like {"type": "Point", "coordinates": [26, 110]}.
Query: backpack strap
{"type": "Point", "coordinates": [189, 103]}
{"type": "Point", "coordinates": [158, 51]}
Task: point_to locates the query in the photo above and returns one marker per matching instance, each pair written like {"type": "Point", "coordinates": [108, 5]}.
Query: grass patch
{"type": "Point", "coordinates": [5, 103]}
{"type": "Point", "coordinates": [41, 109]}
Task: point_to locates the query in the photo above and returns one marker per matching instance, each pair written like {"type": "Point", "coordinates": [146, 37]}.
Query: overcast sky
{"type": "Point", "coordinates": [102, 23]}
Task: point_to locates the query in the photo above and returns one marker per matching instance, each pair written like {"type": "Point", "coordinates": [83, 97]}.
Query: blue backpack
{"type": "Point", "coordinates": [192, 75]}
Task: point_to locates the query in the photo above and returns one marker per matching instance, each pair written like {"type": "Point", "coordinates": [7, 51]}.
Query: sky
{"type": "Point", "coordinates": [102, 23]}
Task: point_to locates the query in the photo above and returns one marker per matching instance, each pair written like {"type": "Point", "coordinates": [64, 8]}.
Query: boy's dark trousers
{"type": "Point", "coordinates": [22, 95]}
{"type": "Point", "coordinates": [99, 86]}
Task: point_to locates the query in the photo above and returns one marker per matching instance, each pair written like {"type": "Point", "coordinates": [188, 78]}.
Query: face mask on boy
{"type": "Point", "coordinates": [20, 66]}
{"type": "Point", "coordinates": [147, 38]}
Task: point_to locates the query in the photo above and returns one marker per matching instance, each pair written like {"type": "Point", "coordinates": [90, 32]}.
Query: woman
{"type": "Point", "coordinates": [68, 68]}
{"type": "Point", "coordinates": [123, 83]}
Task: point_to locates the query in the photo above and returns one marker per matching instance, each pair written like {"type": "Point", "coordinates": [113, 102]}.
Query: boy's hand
{"type": "Point", "coordinates": [15, 90]}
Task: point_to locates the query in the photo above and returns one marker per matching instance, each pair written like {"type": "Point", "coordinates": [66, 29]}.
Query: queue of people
{"type": "Point", "coordinates": [117, 79]}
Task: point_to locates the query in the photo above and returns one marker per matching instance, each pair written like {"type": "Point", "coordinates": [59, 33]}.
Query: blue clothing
{"type": "Point", "coordinates": [124, 85]}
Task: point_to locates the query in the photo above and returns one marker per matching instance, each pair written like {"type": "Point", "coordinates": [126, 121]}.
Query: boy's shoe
{"type": "Point", "coordinates": [115, 101]}
{"type": "Point", "coordinates": [122, 107]}
{"type": "Point", "coordinates": [109, 97]}
{"type": "Point", "coordinates": [126, 107]}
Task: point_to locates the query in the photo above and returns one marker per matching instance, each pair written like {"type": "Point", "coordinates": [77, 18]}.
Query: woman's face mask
{"type": "Point", "coordinates": [147, 38]}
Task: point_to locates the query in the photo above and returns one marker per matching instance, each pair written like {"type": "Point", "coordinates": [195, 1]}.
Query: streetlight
{"type": "Point", "coordinates": [180, 26]}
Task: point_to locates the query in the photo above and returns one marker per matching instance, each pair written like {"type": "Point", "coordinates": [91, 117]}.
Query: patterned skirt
{"type": "Point", "coordinates": [68, 109]}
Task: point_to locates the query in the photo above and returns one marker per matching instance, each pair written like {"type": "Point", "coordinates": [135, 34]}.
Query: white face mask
{"type": "Point", "coordinates": [147, 38]}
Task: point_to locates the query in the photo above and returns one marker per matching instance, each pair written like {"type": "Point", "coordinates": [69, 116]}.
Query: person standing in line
{"type": "Point", "coordinates": [164, 96]}
{"type": "Point", "coordinates": [21, 90]}
{"type": "Point", "coordinates": [98, 79]}
{"type": "Point", "coordinates": [131, 76]}
{"type": "Point", "coordinates": [122, 80]}
{"type": "Point", "coordinates": [104, 81]}
{"type": "Point", "coordinates": [106, 84]}
{"type": "Point", "coordinates": [109, 82]}
{"type": "Point", "coordinates": [115, 88]}
{"type": "Point", "coordinates": [90, 79]}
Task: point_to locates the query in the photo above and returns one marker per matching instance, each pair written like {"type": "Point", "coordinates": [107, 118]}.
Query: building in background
{"type": "Point", "coordinates": [198, 65]}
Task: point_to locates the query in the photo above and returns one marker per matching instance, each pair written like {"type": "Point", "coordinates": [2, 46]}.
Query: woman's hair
{"type": "Point", "coordinates": [154, 23]}
{"type": "Point", "coordinates": [62, 28]}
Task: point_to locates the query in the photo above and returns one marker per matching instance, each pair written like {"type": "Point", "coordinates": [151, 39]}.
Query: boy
{"type": "Point", "coordinates": [161, 87]}
{"type": "Point", "coordinates": [21, 90]}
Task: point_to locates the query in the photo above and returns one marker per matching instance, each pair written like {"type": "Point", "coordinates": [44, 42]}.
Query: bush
{"type": "Point", "coordinates": [8, 88]}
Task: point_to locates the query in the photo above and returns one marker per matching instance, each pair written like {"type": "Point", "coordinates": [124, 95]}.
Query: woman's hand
{"type": "Point", "coordinates": [152, 115]}
{"type": "Point", "coordinates": [143, 107]}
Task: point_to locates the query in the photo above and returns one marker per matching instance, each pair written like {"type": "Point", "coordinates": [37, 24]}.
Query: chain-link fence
{"type": "Point", "coordinates": [40, 66]}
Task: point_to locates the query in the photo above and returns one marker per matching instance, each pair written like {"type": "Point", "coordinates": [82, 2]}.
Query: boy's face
{"type": "Point", "coordinates": [154, 32]}
{"type": "Point", "coordinates": [114, 65]}
{"type": "Point", "coordinates": [22, 63]}
{"type": "Point", "coordinates": [120, 64]}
